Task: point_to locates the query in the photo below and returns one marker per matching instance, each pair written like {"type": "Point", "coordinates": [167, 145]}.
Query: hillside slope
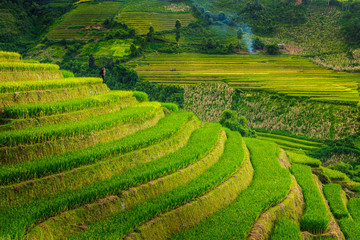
{"type": "Point", "coordinates": [79, 161]}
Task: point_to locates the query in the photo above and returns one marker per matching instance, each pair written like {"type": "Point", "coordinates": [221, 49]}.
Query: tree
{"type": "Point", "coordinates": [134, 51]}
{"type": "Point", "coordinates": [231, 120]}
{"type": "Point", "coordinates": [91, 61]}
{"type": "Point", "coordinates": [177, 26]}
{"type": "Point", "coordinates": [150, 35]}
{"type": "Point", "coordinates": [240, 36]}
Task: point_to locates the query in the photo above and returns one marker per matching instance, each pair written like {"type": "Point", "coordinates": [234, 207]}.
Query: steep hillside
{"type": "Point", "coordinates": [79, 161]}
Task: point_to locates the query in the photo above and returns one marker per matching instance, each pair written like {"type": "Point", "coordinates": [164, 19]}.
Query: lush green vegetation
{"type": "Point", "coordinates": [354, 208]}
{"type": "Point", "coordinates": [54, 164]}
{"type": "Point", "coordinates": [37, 110]}
{"type": "Point", "coordinates": [334, 196]}
{"type": "Point", "coordinates": [286, 229]}
{"type": "Point", "coordinates": [14, 86]}
{"type": "Point", "coordinates": [299, 158]}
{"type": "Point", "coordinates": [238, 218]}
{"type": "Point", "coordinates": [289, 142]}
{"type": "Point", "coordinates": [231, 120]}
{"type": "Point", "coordinates": [52, 132]}
{"type": "Point", "coordinates": [196, 148]}
{"type": "Point", "coordinates": [316, 218]}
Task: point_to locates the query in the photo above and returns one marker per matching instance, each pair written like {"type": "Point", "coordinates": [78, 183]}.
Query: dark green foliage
{"type": "Point", "coordinates": [177, 33]}
{"type": "Point", "coordinates": [286, 229]}
{"type": "Point", "coordinates": [258, 44]}
{"type": "Point", "coordinates": [161, 93]}
{"type": "Point", "coordinates": [316, 218]}
{"type": "Point", "coordinates": [231, 120]}
{"type": "Point", "coordinates": [91, 61]}
{"type": "Point", "coordinates": [122, 77]}
{"type": "Point", "coordinates": [333, 195]}
{"type": "Point", "coordinates": [351, 24]}
{"type": "Point", "coordinates": [272, 49]}
{"type": "Point", "coordinates": [134, 51]}
{"type": "Point", "coordinates": [22, 22]}
{"type": "Point", "coordinates": [150, 35]}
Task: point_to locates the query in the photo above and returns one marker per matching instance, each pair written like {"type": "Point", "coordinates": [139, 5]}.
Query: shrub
{"type": "Point", "coordinates": [230, 119]}
{"type": "Point", "coordinates": [272, 49]}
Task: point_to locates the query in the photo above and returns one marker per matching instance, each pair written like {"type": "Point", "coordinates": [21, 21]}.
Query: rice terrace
{"type": "Point", "coordinates": [179, 119]}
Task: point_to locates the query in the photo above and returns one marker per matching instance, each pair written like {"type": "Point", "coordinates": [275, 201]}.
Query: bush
{"type": "Point", "coordinates": [231, 120]}
{"type": "Point", "coordinates": [272, 49]}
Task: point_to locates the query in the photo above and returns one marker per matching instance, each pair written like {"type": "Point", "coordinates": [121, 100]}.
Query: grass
{"type": "Point", "coordinates": [86, 126]}
{"type": "Point", "coordinates": [169, 200]}
{"type": "Point", "coordinates": [333, 194]}
{"type": "Point", "coordinates": [335, 175]}
{"type": "Point", "coordinates": [47, 207]}
{"type": "Point", "coordinates": [16, 86]}
{"type": "Point", "coordinates": [350, 228]}
{"type": "Point", "coordinates": [55, 164]}
{"type": "Point", "coordinates": [354, 208]}
{"type": "Point", "coordinates": [298, 158]}
{"type": "Point", "coordinates": [50, 95]}
{"type": "Point", "coordinates": [286, 229]}
{"type": "Point", "coordinates": [85, 14]}
{"type": "Point", "coordinates": [270, 185]}
{"type": "Point", "coordinates": [99, 171]}
{"type": "Point", "coordinates": [291, 75]}
{"type": "Point", "coordinates": [140, 193]}
{"type": "Point", "coordinates": [315, 219]}
{"type": "Point", "coordinates": [43, 109]}
{"type": "Point", "coordinates": [17, 124]}
{"type": "Point", "coordinates": [187, 216]}
{"type": "Point", "coordinates": [290, 140]}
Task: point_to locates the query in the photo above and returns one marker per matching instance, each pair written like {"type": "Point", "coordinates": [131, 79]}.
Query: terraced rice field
{"type": "Point", "coordinates": [86, 18]}
{"type": "Point", "coordinates": [81, 162]}
{"type": "Point", "coordinates": [159, 14]}
{"type": "Point", "coordinates": [141, 21]}
{"type": "Point", "coordinates": [291, 75]}
{"type": "Point", "coordinates": [290, 143]}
